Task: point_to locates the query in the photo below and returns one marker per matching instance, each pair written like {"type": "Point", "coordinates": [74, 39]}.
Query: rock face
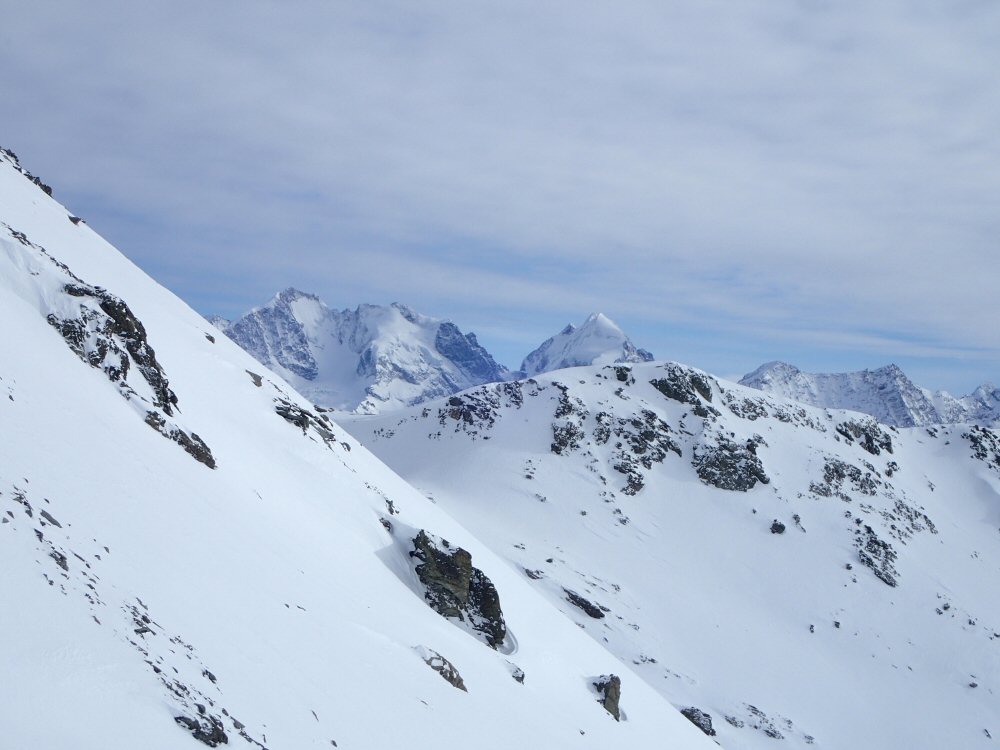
{"type": "Point", "coordinates": [700, 719]}
{"type": "Point", "coordinates": [597, 342]}
{"type": "Point", "coordinates": [457, 590]}
{"type": "Point", "coordinates": [443, 667]}
{"type": "Point", "coordinates": [105, 334]}
{"type": "Point", "coordinates": [729, 465]}
{"type": "Point", "coordinates": [368, 359]}
{"type": "Point", "coordinates": [885, 393]}
{"type": "Point", "coordinates": [609, 687]}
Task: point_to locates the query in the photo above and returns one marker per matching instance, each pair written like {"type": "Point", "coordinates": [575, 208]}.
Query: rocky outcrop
{"type": "Point", "coordinates": [609, 687]}
{"type": "Point", "coordinates": [700, 719]}
{"type": "Point", "coordinates": [455, 589]}
{"type": "Point", "coordinates": [729, 465]}
{"type": "Point", "coordinates": [688, 387]}
{"type": "Point", "coordinates": [869, 435]}
{"type": "Point", "coordinates": [206, 729]}
{"type": "Point", "coordinates": [442, 666]}
{"type": "Point", "coordinates": [104, 332]}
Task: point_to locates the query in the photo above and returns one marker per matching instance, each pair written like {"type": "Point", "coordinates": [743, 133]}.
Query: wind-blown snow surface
{"type": "Point", "coordinates": [270, 598]}
{"type": "Point", "coordinates": [792, 572]}
{"type": "Point", "coordinates": [886, 393]}
{"type": "Point", "coordinates": [374, 358]}
{"type": "Point", "coordinates": [598, 341]}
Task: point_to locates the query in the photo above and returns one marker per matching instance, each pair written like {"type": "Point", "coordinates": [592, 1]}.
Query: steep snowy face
{"type": "Point", "coordinates": [886, 393]}
{"type": "Point", "coordinates": [775, 571]}
{"type": "Point", "coordinates": [982, 406]}
{"type": "Point", "coordinates": [194, 555]}
{"type": "Point", "coordinates": [368, 359]}
{"type": "Point", "coordinates": [597, 342]}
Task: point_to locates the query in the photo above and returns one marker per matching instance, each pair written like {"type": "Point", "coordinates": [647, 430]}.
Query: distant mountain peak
{"type": "Point", "coordinates": [598, 340]}
{"type": "Point", "coordinates": [886, 393]}
{"type": "Point", "coordinates": [369, 359]}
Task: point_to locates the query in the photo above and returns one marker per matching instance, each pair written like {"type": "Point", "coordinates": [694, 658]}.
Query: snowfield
{"type": "Point", "coordinates": [793, 573]}
{"type": "Point", "coordinates": [193, 554]}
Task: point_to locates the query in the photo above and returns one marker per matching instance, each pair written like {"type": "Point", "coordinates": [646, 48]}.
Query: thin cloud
{"type": "Point", "coordinates": [735, 172]}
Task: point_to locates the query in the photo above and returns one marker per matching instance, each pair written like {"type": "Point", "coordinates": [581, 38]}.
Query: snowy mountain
{"type": "Point", "coordinates": [369, 359]}
{"type": "Point", "coordinates": [778, 572]}
{"type": "Point", "coordinates": [886, 393]}
{"type": "Point", "coordinates": [597, 342]}
{"type": "Point", "coordinates": [193, 555]}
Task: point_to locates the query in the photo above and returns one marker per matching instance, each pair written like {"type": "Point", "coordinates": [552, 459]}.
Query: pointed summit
{"type": "Point", "coordinates": [597, 341]}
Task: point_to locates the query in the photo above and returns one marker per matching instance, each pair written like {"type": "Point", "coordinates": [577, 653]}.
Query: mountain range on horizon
{"type": "Point", "coordinates": [379, 357]}
{"type": "Point", "coordinates": [886, 393]}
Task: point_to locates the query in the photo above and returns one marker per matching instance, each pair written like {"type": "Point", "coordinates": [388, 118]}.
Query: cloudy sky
{"type": "Point", "coordinates": [732, 182]}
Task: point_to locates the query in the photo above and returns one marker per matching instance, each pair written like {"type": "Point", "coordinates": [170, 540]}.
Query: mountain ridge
{"type": "Point", "coordinates": [381, 357]}
{"type": "Point", "coordinates": [885, 392]}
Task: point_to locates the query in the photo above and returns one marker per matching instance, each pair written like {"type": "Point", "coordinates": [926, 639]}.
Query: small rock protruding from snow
{"type": "Point", "coordinates": [609, 687]}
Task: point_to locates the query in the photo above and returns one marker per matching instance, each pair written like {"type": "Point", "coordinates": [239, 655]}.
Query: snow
{"type": "Point", "coordinates": [709, 606]}
{"type": "Point", "coordinates": [597, 341]}
{"type": "Point", "coordinates": [886, 393]}
{"type": "Point", "coordinates": [370, 359]}
{"type": "Point", "coordinates": [272, 589]}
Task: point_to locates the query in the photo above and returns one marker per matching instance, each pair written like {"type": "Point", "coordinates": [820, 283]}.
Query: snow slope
{"type": "Point", "coordinates": [599, 341]}
{"type": "Point", "coordinates": [886, 393]}
{"type": "Point", "coordinates": [192, 554]}
{"type": "Point", "coordinates": [794, 573]}
{"type": "Point", "coordinates": [369, 359]}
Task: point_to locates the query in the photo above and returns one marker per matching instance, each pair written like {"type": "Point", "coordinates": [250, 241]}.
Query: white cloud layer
{"type": "Point", "coordinates": [732, 181]}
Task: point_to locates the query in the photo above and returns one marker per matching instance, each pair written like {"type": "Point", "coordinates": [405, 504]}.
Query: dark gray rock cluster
{"type": "Point", "coordinates": [729, 465]}
{"type": "Point", "coordinates": [454, 588]}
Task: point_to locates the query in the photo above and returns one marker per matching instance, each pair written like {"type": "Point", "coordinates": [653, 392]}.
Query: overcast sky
{"type": "Point", "coordinates": [732, 182]}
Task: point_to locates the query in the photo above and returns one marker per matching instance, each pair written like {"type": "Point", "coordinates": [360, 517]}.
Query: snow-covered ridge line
{"type": "Point", "coordinates": [754, 559]}
{"type": "Point", "coordinates": [886, 393]}
{"type": "Point", "coordinates": [377, 358]}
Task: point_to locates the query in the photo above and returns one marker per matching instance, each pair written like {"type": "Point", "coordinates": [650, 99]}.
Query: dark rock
{"type": "Point", "coordinates": [587, 606]}
{"type": "Point", "coordinates": [307, 421]}
{"type": "Point", "coordinates": [206, 729]}
{"type": "Point", "coordinates": [107, 335]}
{"type": "Point", "coordinates": [610, 689]}
{"type": "Point", "coordinates": [688, 387]}
{"type": "Point", "coordinates": [443, 667]}
{"type": "Point", "coordinates": [465, 351]}
{"type": "Point", "coordinates": [60, 559]}
{"type": "Point", "coordinates": [190, 442]}
{"type": "Point", "coordinates": [48, 517]}
{"type": "Point", "coordinates": [777, 527]}
{"type": "Point", "coordinates": [454, 588]}
{"type": "Point", "coordinates": [868, 433]}
{"type": "Point", "coordinates": [729, 465]}
{"type": "Point", "coordinates": [877, 555]}
{"type": "Point", "coordinates": [700, 719]}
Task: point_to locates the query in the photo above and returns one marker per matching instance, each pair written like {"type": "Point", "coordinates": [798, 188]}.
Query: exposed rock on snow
{"type": "Point", "coordinates": [729, 465]}
{"type": "Point", "coordinates": [442, 666]}
{"type": "Point", "coordinates": [609, 687]}
{"type": "Point", "coordinates": [456, 589]}
{"type": "Point", "coordinates": [700, 719]}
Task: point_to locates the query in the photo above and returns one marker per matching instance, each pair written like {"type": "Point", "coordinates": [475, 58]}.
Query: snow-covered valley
{"type": "Point", "coordinates": [794, 573]}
